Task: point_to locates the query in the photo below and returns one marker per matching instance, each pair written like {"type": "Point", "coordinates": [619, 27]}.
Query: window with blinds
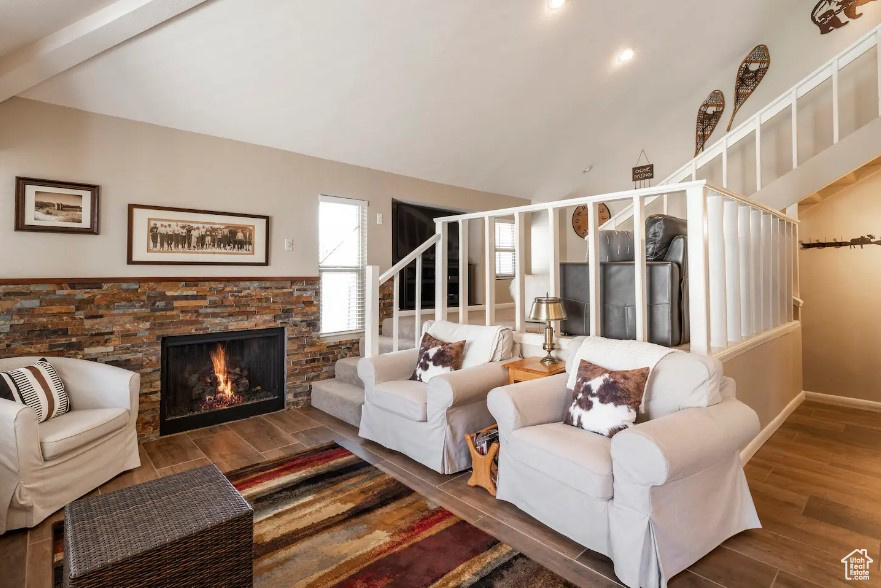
{"type": "Point", "coordinates": [342, 249]}
{"type": "Point", "coordinates": [505, 249]}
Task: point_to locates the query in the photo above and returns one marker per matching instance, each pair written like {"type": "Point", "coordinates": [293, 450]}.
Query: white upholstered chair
{"type": "Point", "coordinates": [428, 421]}
{"type": "Point", "coordinates": [655, 497]}
{"type": "Point", "coordinates": [44, 466]}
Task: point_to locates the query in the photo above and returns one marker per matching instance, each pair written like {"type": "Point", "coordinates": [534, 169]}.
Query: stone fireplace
{"type": "Point", "coordinates": [213, 378]}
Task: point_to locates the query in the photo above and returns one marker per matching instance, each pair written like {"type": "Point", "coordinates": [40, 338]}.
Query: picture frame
{"type": "Point", "coordinates": [163, 235]}
{"type": "Point", "coordinates": [52, 206]}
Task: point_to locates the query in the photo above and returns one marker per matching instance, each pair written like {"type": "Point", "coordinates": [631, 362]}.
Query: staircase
{"type": "Point", "coordinates": [806, 176]}
{"type": "Point", "coordinates": [343, 396]}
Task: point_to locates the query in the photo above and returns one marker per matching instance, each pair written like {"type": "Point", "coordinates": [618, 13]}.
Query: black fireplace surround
{"type": "Point", "coordinates": [213, 378]}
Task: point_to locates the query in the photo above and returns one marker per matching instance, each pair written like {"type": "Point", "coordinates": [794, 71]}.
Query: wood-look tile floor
{"type": "Point", "coordinates": [816, 484]}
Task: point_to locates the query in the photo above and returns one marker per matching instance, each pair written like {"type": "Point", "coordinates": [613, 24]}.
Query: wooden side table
{"type": "Point", "coordinates": [531, 368]}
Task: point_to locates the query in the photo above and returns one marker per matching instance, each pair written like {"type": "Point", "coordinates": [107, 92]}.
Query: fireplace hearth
{"type": "Point", "coordinates": [213, 378]}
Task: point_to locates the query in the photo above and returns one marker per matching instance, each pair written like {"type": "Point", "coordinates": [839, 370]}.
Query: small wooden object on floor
{"type": "Point", "coordinates": [531, 368]}
{"type": "Point", "coordinates": [484, 469]}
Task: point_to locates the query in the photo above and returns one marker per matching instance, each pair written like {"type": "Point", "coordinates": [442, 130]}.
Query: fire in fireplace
{"type": "Point", "coordinates": [212, 378]}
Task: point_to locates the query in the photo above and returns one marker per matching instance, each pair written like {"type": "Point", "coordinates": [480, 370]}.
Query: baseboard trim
{"type": "Point", "coordinates": [771, 428]}
{"type": "Point", "coordinates": [843, 401]}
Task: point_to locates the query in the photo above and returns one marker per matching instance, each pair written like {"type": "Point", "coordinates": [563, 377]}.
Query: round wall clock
{"type": "Point", "coordinates": [579, 218]}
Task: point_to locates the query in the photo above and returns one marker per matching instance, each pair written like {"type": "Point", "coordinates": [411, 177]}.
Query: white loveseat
{"type": "Point", "coordinates": [428, 421]}
{"type": "Point", "coordinates": [656, 497]}
{"type": "Point", "coordinates": [44, 466]}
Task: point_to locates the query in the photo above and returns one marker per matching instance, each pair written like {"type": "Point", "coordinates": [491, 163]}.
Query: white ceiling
{"type": "Point", "coordinates": [25, 21]}
{"type": "Point", "coordinates": [498, 95]}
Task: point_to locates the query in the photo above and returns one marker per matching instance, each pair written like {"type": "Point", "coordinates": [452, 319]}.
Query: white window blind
{"type": "Point", "coordinates": [504, 249]}
{"type": "Point", "coordinates": [342, 249]}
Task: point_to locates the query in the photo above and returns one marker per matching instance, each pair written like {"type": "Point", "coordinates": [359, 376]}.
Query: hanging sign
{"type": "Point", "coordinates": [643, 174]}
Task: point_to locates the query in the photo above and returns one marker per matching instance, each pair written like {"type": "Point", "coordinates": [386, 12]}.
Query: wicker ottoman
{"type": "Point", "coordinates": [189, 529]}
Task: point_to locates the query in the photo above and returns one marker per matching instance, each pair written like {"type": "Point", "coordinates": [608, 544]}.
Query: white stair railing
{"type": "Point", "coordinates": [741, 266]}
{"type": "Point", "coordinates": [753, 125]}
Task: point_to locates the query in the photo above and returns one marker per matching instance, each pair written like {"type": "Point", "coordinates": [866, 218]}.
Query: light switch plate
{"type": "Point", "coordinates": [379, 218]}
{"type": "Point", "coordinates": [288, 244]}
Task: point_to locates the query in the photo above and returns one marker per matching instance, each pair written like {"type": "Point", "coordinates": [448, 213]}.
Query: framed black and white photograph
{"type": "Point", "coordinates": [51, 206]}
{"type": "Point", "coordinates": [160, 235]}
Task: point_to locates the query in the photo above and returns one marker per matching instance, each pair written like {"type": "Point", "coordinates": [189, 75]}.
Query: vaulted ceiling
{"type": "Point", "coordinates": [499, 95]}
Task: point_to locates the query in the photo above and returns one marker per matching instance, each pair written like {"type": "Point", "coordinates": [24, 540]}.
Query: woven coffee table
{"type": "Point", "coordinates": [189, 529]}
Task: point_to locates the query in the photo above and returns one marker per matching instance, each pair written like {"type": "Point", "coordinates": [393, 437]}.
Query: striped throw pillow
{"type": "Point", "coordinates": [37, 386]}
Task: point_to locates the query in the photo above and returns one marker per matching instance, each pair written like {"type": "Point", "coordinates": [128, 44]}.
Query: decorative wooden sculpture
{"type": "Point", "coordinates": [579, 218]}
{"type": "Point", "coordinates": [860, 242]}
{"type": "Point", "coordinates": [750, 73]}
{"type": "Point", "coordinates": [827, 13]}
{"type": "Point", "coordinates": [708, 116]}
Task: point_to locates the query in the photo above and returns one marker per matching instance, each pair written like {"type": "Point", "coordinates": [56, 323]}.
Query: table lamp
{"type": "Point", "coordinates": [547, 309]}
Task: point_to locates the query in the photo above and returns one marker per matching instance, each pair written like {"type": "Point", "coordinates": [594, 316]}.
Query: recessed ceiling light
{"type": "Point", "coordinates": [625, 55]}
{"type": "Point", "coordinates": [587, 169]}
{"type": "Point", "coordinates": [555, 4]}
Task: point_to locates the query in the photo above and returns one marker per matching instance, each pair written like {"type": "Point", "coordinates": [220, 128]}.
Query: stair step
{"type": "Point", "coordinates": [386, 344]}
{"type": "Point", "coordinates": [339, 399]}
{"type": "Point", "coordinates": [347, 371]}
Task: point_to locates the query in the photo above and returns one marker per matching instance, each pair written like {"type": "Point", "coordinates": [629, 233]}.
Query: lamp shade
{"type": "Point", "coordinates": [547, 309]}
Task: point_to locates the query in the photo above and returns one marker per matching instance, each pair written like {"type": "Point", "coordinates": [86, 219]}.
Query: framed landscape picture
{"type": "Point", "coordinates": [51, 206]}
{"type": "Point", "coordinates": [160, 235]}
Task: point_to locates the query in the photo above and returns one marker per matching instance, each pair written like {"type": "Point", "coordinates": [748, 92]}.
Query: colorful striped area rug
{"type": "Point", "coordinates": [325, 517]}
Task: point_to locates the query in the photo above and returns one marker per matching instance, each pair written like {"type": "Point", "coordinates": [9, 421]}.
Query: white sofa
{"type": "Point", "coordinates": [44, 466]}
{"type": "Point", "coordinates": [656, 497]}
{"type": "Point", "coordinates": [428, 421]}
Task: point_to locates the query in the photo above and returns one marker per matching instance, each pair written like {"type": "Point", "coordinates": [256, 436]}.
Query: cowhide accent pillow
{"type": "Point", "coordinates": [437, 357]}
{"type": "Point", "coordinates": [606, 401]}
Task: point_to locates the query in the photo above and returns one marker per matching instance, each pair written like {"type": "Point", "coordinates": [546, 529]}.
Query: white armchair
{"type": "Point", "coordinates": [656, 497]}
{"type": "Point", "coordinates": [428, 421]}
{"type": "Point", "coordinates": [44, 466]}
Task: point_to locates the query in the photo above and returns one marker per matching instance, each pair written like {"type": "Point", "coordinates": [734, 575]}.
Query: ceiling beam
{"type": "Point", "coordinates": [36, 62]}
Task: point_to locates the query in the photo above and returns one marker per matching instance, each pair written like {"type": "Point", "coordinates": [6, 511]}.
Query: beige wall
{"type": "Point", "coordinates": [840, 287]}
{"type": "Point", "coordinates": [140, 163]}
{"type": "Point", "coordinates": [769, 375]}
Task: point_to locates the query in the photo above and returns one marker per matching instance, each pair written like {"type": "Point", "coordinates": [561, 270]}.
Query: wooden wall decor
{"type": "Point", "coordinates": [642, 175]}
{"type": "Point", "coordinates": [708, 116]}
{"type": "Point", "coordinates": [579, 218]}
{"type": "Point", "coordinates": [827, 14]}
{"type": "Point", "coordinates": [749, 75]}
{"type": "Point", "coordinates": [860, 242]}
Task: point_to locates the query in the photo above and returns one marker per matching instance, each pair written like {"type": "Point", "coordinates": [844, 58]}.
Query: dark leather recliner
{"type": "Point", "coordinates": [666, 285]}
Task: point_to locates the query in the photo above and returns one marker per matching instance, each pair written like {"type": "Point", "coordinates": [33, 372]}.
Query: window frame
{"type": "Point", "coordinates": [512, 250]}
{"type": "Point", "coordinates": [359, 270]}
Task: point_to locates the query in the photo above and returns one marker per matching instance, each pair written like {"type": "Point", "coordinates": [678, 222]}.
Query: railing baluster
{"type": "Point", "coordinates": [835, 111]}
{"type": "Point", "coordinates": [716, 252]}
{"type": "Point", "coordinates": [776, 269]}
{"type": "Point", "coordinates": [396, 311]}
{"type": "Point", "coordinates": [463, 272]}
{"type": "Point", "coordinates": [878, 60]}
{"type": "Point", "coordinates": [794, 123]}
{"type": "Point", "coordinates": [758, 153]}
{"type": "Point", "coordinates": [744, 240]}
{"type": "Point", "coordinates": [593, 269]}
{"type": "Point", "coordinates": [732, 269]}
{"type": "Point", "coordinates": [440, 274]}
{"type": "Point", "coordinates": [371, 311]}
{"type": "Point", "coordinates": [787, 275]}
{"type": "Point", "coordinates": [639, 268]}
{"type": "Point", "coordinates": [417, 315]}
{"type": "Point", "coordinates": [489, 292]}
{"type": "Point", "coordinates": [725, 163]}
{"type": "Point", "coordinates": [757, 279]}
{"type": "Point", "coordinates": [554, 252]}
{"type": "Point", "coordinates": [767, 272]}
{"type": "Point", "coordinates": [519, 273]}
{"type": "Point", "coordinates": [698, 271]}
